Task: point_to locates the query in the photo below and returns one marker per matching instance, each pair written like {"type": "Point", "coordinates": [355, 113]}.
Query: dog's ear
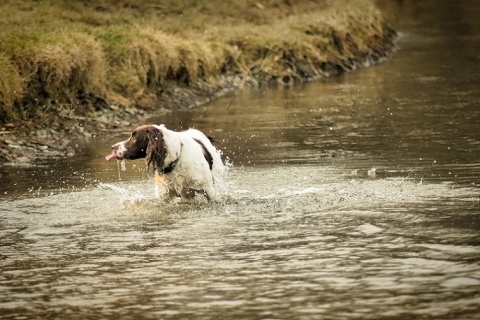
{"type": "Point", "coordinates": [156, 149]}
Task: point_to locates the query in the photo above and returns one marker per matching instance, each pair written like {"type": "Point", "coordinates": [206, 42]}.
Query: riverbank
{"type": "Point", "coordinates": [72, 71]}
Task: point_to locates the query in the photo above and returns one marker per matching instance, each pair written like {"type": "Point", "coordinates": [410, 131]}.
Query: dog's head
{"type": "Point", "coordinates": [144, 142]}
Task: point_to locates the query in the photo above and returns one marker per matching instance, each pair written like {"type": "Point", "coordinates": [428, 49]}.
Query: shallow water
{"type": "Point", "coordinates": [355, 197]}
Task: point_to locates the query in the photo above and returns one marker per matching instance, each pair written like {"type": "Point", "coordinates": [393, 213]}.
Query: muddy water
{"type": "Point", "coordinates": [355, 197]}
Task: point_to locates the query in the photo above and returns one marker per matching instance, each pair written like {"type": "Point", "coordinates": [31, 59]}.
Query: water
{"type": "Point", "coordinates": [355, 197]}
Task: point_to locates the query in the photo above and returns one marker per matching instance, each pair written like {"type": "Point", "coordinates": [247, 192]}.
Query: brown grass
{"type": "Point", "coordinates": [58, 55]}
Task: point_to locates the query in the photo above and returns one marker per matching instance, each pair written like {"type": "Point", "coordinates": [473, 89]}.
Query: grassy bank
{"type": "Point", "coordinates": [62, 59]}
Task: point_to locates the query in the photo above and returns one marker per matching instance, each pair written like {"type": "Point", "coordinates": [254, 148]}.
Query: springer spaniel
{"type": "Point", "coordinates": [184, 162]}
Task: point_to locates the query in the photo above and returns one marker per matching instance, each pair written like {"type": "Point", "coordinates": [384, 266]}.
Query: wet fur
{"type": "Point", "coordinates": [156, 149]}
{"type": "Point", "coordinates": [163, 149]}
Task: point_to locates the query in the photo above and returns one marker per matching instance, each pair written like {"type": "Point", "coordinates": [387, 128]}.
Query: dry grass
{"type": "Point", "coordinates": [56, 55]}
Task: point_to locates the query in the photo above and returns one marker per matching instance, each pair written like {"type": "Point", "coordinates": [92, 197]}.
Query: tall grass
{"type": "Point", "coordinates": [56, 54]}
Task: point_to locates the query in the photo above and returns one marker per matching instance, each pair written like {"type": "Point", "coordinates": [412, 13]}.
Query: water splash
{"type": "Point", "coordinates": [126, 196]}
{"type": "Point", "coordinates": [121, 166]}
{"type": "Point", "coordinates": [220, 176]}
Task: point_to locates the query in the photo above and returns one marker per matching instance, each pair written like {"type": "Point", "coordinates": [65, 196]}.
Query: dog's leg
{"type": "Point", "coordinates": [162, 191]}
{"type": "Point", "coordinates": [210, 193]}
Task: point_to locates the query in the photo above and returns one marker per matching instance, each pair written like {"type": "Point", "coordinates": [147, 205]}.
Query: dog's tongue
{"type": "Point", "coordinates": [111, 156]}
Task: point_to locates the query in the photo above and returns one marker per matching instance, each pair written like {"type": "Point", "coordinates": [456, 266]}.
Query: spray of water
{"type": "Point", "coordinates": [131, 196]}
{"type": "Point", "coordinates": [220, 173]}
{"type": "Point", "coordinates": [121, 166]}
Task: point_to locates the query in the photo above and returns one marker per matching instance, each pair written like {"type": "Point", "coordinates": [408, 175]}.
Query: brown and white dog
{"type": "Point", "coordinates": [184, 162]}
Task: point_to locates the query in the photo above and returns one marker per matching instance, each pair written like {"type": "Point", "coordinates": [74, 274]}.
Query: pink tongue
{"type": "Point", "coordinates": [111, 156]}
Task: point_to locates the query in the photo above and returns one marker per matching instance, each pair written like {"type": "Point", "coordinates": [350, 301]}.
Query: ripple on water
{"type": "Point", "coordinates": [271, 249]}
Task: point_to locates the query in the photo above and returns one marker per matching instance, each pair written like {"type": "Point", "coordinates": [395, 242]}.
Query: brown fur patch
{"type": "Point", "coordinates": [156, 149]}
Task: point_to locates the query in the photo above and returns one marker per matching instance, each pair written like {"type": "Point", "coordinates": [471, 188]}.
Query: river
{"type": "Point", "coordinates": [352, 197]}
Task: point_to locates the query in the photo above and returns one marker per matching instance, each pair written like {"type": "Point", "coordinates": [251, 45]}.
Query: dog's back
{"type": "Point", "coordinates": [210, 151]}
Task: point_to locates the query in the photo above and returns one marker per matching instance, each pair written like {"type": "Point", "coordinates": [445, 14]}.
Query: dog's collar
{"type": "Point", "coordinates": [168, 169]}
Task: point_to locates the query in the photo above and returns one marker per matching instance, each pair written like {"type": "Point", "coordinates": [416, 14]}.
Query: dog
{"type": "Point", "coordinates": [184, 162]}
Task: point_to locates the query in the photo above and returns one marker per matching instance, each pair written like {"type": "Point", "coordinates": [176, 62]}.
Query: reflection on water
{"type": "Point", "coordinates": [355, 197]}
{"type": "Point", "coordinates": [286, 242]}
